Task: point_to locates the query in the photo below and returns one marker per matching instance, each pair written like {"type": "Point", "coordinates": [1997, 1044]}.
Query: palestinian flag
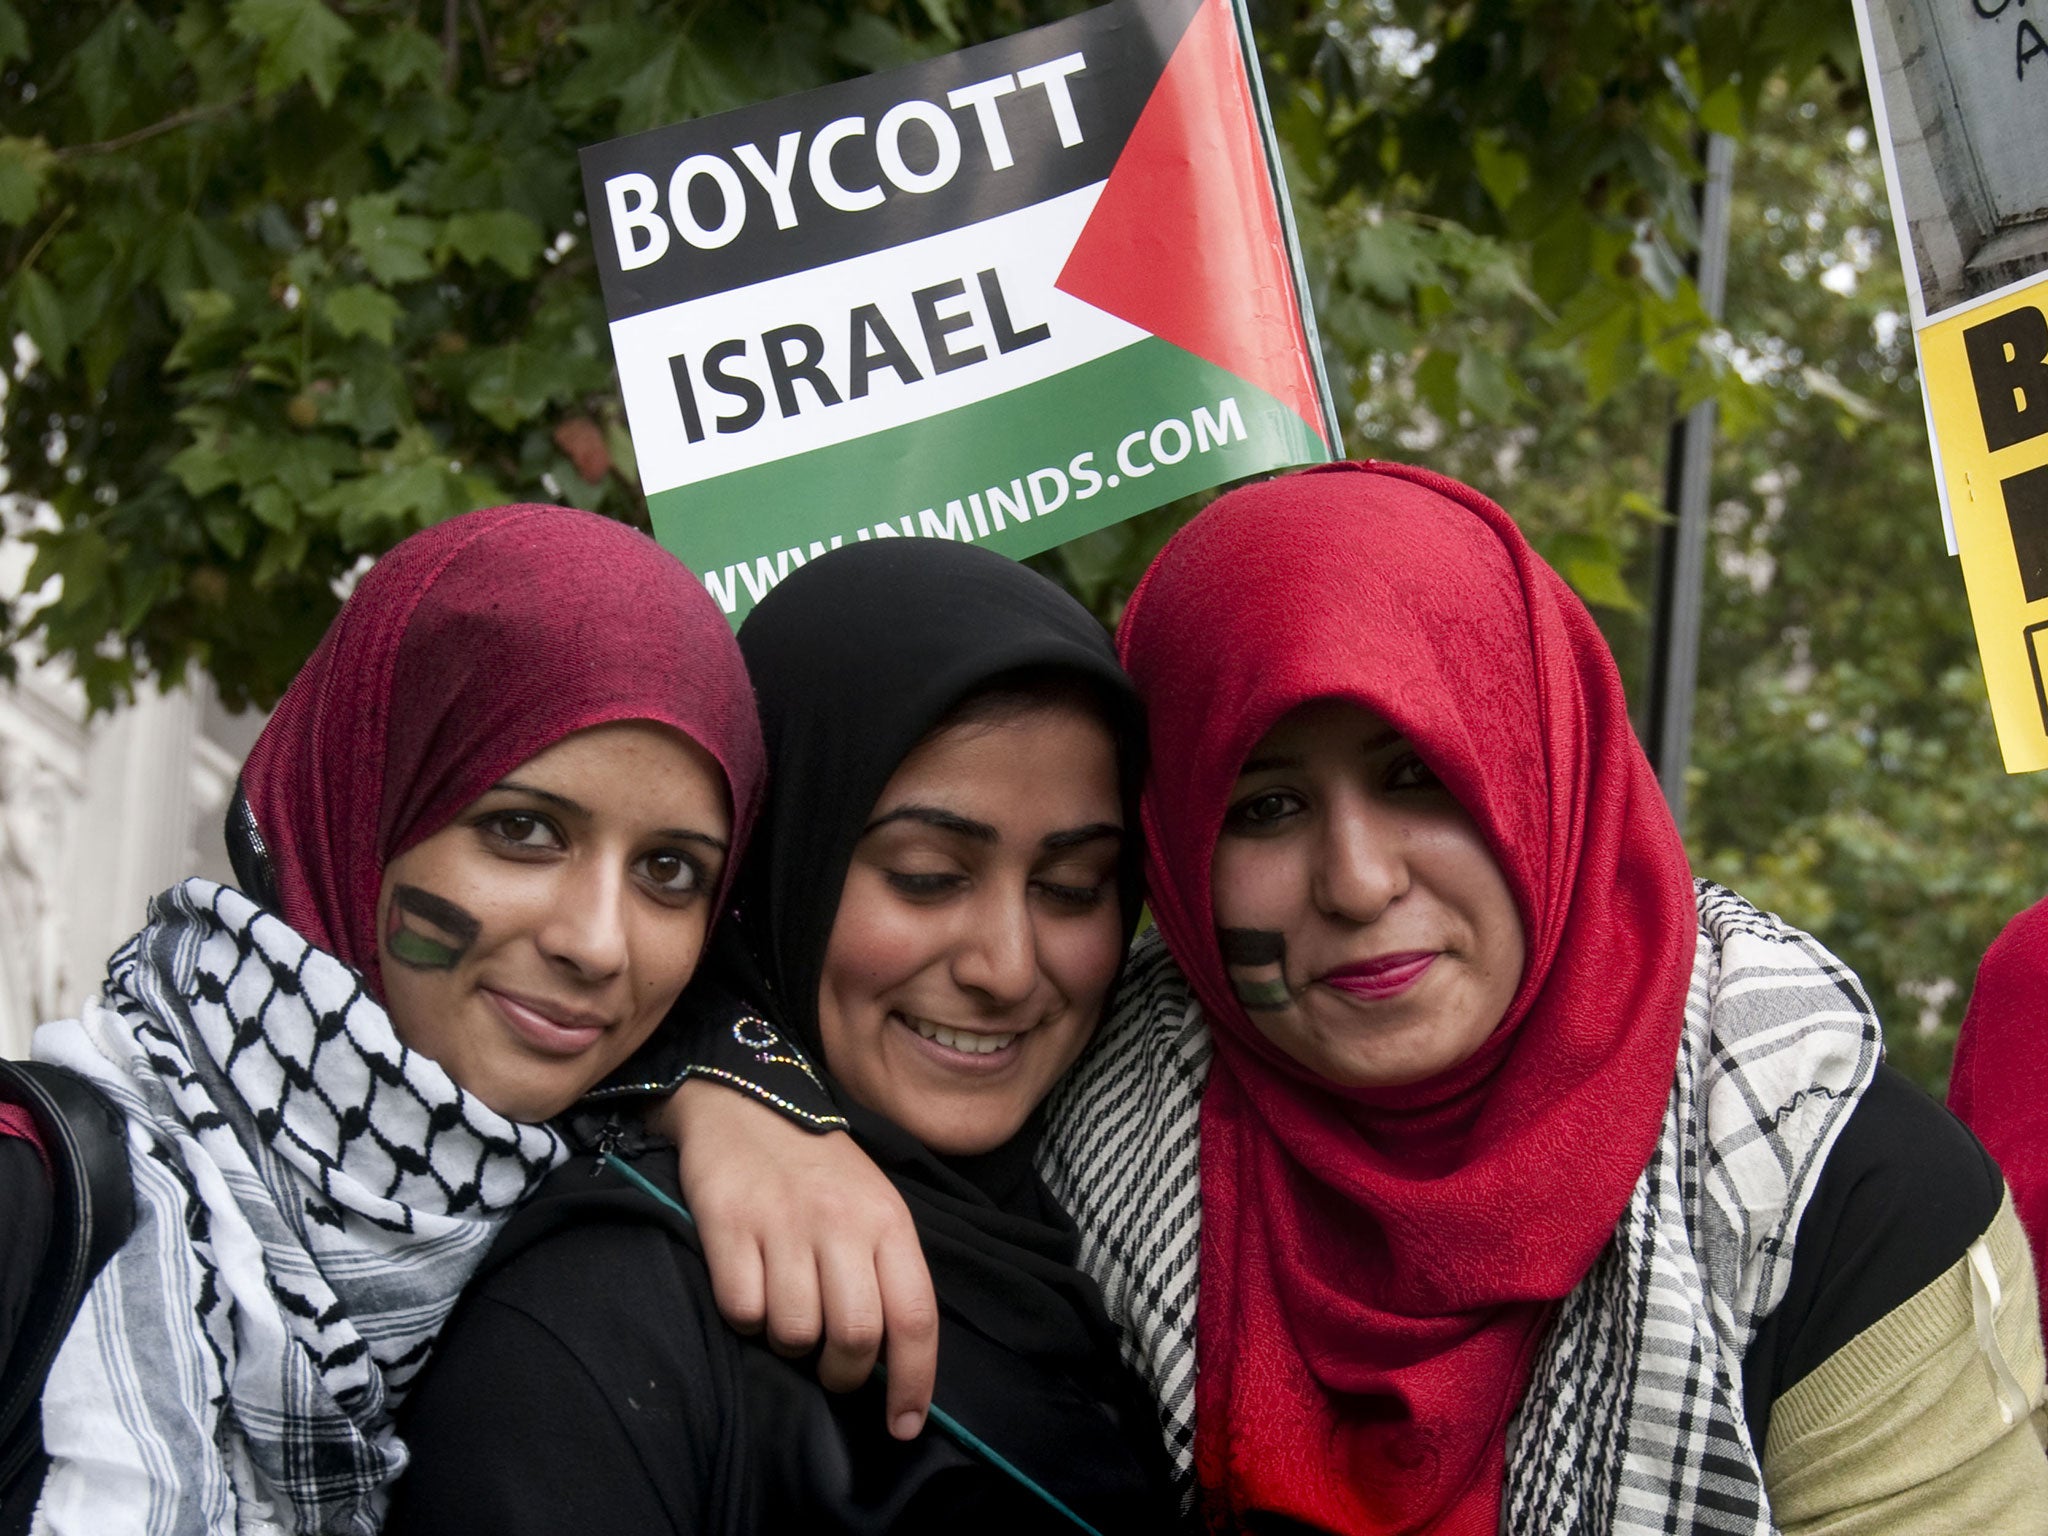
{"type": "Point", "coordinates": [1012, 295]}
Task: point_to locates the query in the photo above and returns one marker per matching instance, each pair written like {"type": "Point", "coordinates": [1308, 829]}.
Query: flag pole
{"type": "Point", "coordinates": [1682, 544]}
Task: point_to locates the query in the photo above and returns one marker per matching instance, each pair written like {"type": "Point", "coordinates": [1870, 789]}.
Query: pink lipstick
{"type": "Point", "coordinates": [549, 1028]}
{"type": "Point", "coordinates": [1382, 977]}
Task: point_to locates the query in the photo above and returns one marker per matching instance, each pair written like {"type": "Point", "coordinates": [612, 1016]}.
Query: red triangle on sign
{"type": "Point", "coordinates": [1186, 240]}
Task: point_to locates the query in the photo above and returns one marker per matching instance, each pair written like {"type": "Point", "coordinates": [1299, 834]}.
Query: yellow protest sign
{"type": "Point", "coordinates": [1959, 93]}
{"type": "Point", "coordinates": [1985, 371]}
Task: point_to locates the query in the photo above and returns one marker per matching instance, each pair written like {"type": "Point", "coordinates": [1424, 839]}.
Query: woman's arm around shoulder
{"type": "Point", "coordinates": [808, 1241]}
{"type": "Point", "coordinates": [1899, 1387]}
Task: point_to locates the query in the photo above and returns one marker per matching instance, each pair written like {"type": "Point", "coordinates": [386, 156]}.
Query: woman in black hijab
{"type": "Point", "coordinates": [935, 904]}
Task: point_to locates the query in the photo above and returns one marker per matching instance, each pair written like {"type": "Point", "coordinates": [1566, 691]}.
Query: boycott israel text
{"type": "Point", "coordinates": [634, 197]}
{"type": "Point", "coordinates": [910, 301]}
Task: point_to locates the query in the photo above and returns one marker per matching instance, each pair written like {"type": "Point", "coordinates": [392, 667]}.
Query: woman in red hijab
{"type": "Point", "coordinates": [1541, 1189]}
{"type": "Point", "coordinates": [2000, 1082]}
{"type": "Point", "coordinates": [1454, 1161]}
{"type": "Point", "coordinates": [479, 843]}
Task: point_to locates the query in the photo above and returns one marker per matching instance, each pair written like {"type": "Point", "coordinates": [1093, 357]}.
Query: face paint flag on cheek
{"type": "Point", "coordinates": [1254, 958]}
{"type": "Point", "coordinates": [427, 932]}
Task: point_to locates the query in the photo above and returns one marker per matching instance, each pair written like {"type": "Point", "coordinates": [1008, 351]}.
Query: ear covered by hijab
{"type": "Point", "coordinates": [469, 648]}
{"type": "Point", "coordinates": [1378, 1264]}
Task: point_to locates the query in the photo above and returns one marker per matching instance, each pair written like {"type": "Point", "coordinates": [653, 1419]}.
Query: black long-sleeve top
{"type": "Point", "coordinates": [588, 1383]}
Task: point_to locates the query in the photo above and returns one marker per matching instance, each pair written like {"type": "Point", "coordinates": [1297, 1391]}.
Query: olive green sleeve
{"type": "Point", "coordinates": [1906, 1428]}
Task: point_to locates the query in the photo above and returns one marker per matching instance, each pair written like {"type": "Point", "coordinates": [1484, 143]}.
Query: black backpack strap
{"type": "Point", "coordinates": [25, 1202]}
{"type": "Point", "coordinates": [92, 1213]}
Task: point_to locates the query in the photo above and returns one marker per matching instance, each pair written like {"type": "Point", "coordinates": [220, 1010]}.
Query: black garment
{"type": "Point", "coordinates": [59, 1224]}
{"type": "Point", "coordinates": [587, 1383]}
{"type": "Point", "coordinates": [27, 1205]}
{"type": "Point", "coordinates": [1906, 1189]}
{"type": "Point", "coordinates": [26, 1199]}
{"type": "Point", "coordinates": [856, 658]}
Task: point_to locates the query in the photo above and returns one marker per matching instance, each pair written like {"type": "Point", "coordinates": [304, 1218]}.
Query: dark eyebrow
{"type": "Point", "coordinates": [685, 835]}
{"type": "Point", "coordinates": [934, 816]}
{"type": "Point", "coordinates": [1268, 763]}
{"type": "Point", "coordinates": [539, 794]}
{"type": "Point", "coordinates": [1075, 837]}
{"type": "Point", "coordinates": [1376, 742]}
{"type": "Point", "coordinates": [672, 834]}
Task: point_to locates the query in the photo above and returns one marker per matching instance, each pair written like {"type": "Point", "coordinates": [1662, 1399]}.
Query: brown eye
{"type": "Point", "coordinates": [920, 886]}
{"type": "Point", "coordinates": [1081, 898]}
{"type": "Point", "coordinates": [672, 872]}
{"type": "Point", "coordinates": [526, 831]}
{"type": "Point", "coordinates": [1262, 811]}
{"type": "Point", "coordinates": [1409, 771]}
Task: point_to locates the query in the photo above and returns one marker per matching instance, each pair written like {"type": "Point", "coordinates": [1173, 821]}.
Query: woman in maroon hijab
{"type": "Point", "coordinates": [479, 843]}
{"type": "Point", "coordinates": [2000, 1082]}
{"type": "Point", "coordinates": [1541, 1188]}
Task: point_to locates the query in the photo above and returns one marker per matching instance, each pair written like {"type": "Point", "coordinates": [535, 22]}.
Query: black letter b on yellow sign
{"type": "Point", "coordinates": [2009, 367]}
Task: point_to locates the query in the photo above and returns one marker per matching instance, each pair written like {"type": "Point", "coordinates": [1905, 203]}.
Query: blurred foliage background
{"type": "Point", "coordinates": [288, 279]}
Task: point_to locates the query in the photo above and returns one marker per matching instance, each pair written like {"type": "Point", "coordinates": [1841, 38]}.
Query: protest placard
{"type": "Point", "coordinates": [1009, 295]}
{"type": "Point", "coordinates": [1960, 91]}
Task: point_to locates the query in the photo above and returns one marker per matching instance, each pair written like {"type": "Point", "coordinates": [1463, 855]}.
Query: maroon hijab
{"type": "Point", "coordinates": [1999, 1087]}
{"type": "Point", "coordinates": [467, 649]}
{"type": "Point", "coordinates": [1377, 1265]}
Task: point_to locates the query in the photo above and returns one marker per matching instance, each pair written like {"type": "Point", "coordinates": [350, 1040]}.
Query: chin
{"type": "Point", "coordinates": [527, 1102]}
{"type": "Point", "coordinates": [964, 1137]}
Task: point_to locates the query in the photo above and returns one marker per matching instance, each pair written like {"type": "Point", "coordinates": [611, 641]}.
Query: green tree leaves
{"type": "Point", "coordinates": [393, 247]}
{"type": "Point", "coordinates": [24, 163]}
{"type": "Point", "coordinates": [1845, 771]}
{"type": "Point", "coordinates": [301, 40]}
{"type": "Point", "coordinates": [303, 278]}
{"type": "Point", "coordinates": [347, 241]}
{"type": "Point", "coordinates": [290, 278]}
{"type": "Point", "coordinates": [504, 235]}
{"type": "Point", "coordinates": [359, 309]}
{"type": "Point", "coordinates": [293, 281]}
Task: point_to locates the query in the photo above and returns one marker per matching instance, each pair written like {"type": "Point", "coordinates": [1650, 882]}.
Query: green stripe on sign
{"type": "Point", "coordinates": [1021, 472]}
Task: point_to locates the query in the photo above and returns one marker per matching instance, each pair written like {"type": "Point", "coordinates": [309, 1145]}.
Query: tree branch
{"type": "Point", "coordinates": [49, 232]}
{"type": "Point", "coordinates": [170, 124]}
{"type": "Point", "coordinates": [483, 41]}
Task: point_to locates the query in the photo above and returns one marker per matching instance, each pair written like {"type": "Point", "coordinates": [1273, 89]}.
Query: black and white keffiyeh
{"type": "Point", "coordinates": [311, 1197]}
{"type": "Point", "coordinates": [1633, 1422]}
{"type": "Point", "coordinates": [1122, 1152]}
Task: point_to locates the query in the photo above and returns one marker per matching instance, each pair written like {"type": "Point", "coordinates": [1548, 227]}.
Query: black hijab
{"type": "Point", "coordinates": [855, 658]}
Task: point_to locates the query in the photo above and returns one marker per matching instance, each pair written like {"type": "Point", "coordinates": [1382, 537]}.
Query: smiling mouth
{"type": "Point", "coordinates": [1383, 977]}
{"type": "Point", "coordinates": [552, 1030]}
{"type": "Point", "coordinates": [967, 1042]}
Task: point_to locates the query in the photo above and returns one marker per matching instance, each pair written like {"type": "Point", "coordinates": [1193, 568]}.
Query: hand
{"type": "Point", "coordinates": [805, 1237]}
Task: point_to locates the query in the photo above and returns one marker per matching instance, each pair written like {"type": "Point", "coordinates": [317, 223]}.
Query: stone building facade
{"type": "Point", "coordinates": [96, 816]}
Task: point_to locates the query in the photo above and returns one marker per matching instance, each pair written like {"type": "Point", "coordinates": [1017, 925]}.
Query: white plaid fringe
{"type": "Point", "coordinates": [1633, 1423]}
{"type": "Point", "coordinates": [1122, 1153]}
{"type": "Point", "coordinates": [310, 1199]}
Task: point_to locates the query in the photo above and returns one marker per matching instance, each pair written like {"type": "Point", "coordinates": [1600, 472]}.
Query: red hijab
{"type": "Point", "coordinates": [467, 649]}
{"type": "Point", "coordinates": [1999, 1087]}
{"type": "Point", "coordinates": [1378, 1264]}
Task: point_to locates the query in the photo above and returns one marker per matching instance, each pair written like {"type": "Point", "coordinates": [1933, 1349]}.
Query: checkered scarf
{"type": "Point", "coordinates": [310, 1199]}
{"type": "Point", "coordinates": [1633, 1421]}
